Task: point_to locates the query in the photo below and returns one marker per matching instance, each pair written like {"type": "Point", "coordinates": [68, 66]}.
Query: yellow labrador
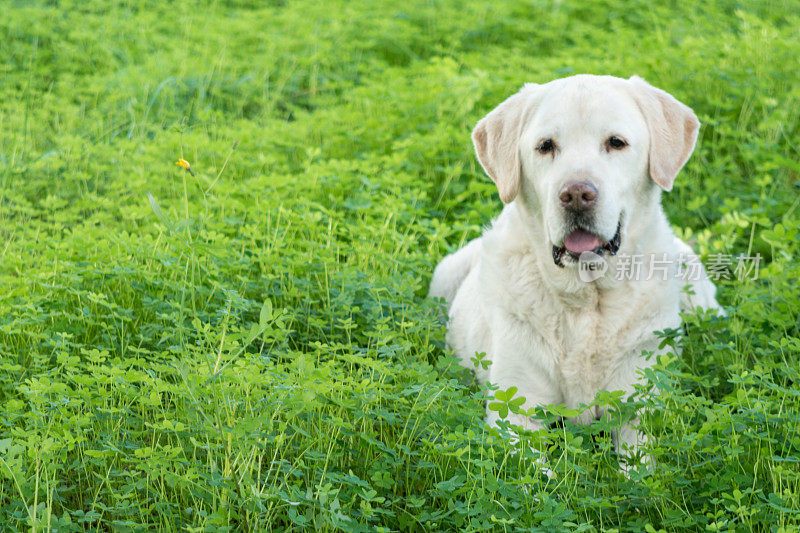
{"type": "Point", "coordinates": [565, 288]}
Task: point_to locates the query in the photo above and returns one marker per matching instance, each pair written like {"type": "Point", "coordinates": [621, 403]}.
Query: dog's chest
{"type": "Point", "coordinates": [590, 337]}
{"type": "Point", "coordinates": [588, 345]}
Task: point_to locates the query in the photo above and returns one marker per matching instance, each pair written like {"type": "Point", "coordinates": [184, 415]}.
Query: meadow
{"type": "Point", "coordinates": [249, 347]}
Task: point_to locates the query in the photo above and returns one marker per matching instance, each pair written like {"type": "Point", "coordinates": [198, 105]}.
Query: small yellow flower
{"type": "Point", "coordinates": [184, 164]}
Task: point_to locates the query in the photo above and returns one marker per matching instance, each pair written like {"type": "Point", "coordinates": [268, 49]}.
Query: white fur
{"type": "Point", "coordinates": [555, 337]}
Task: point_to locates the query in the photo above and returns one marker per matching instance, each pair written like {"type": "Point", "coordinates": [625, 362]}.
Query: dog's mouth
{"type": "Point", "coordinates": [579, 241]}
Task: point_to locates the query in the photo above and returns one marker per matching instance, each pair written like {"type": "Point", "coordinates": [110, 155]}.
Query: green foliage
{"type": "Point", "coordinates": [249, 347]}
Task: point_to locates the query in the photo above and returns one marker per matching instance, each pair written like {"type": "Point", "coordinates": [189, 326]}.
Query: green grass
{"type": "Point", "coordinates": [252, 349]}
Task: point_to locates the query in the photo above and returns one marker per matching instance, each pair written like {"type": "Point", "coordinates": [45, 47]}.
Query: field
{"type": "Point", "coordinates": [248, 346]}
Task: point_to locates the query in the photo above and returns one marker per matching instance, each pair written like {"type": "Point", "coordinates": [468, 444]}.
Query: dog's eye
{"type": "Point", "coordinates": [616, 143]}
{"type": "Point", "coordinates": [546, 146]}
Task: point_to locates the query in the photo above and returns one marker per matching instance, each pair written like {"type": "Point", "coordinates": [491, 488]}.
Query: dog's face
{"type": "Point", "coordinates": [585, 155]}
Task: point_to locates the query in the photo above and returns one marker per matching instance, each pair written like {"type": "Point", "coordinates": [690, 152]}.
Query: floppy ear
{"type": "Point", "coordinates": [496, 139]}
{"type": "Point", "coordinates": [673, 131]}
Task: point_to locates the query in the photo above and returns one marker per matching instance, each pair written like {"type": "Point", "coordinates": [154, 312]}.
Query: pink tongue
{"type": "Point", "coordinates": [580, 241]}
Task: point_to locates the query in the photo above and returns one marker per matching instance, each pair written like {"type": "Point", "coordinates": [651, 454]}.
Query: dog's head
{"type": "Point", "coordinates": [587, 154]}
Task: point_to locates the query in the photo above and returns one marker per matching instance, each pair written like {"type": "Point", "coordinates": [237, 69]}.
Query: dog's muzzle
{"type": "Point", "coordinates": [580, 241]}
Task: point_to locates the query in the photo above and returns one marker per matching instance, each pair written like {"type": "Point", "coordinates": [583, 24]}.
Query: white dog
{"type": "Point", "coordinates": [565, 289]}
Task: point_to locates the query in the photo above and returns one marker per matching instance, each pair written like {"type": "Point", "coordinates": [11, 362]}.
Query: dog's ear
{"type": "Point", "coordinates": [673, 131]}
{"type": "Point", "coordinates": [496, 139]}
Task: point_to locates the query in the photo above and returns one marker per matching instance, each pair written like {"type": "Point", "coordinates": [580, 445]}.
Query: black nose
{"type": "Point", "coordinates": [578, 195]}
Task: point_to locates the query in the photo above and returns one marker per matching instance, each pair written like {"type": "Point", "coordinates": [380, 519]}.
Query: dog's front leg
{"type": "Point", "coordinates": [629, 442]}
{"type": "Point", "coordinates": [514, 364]}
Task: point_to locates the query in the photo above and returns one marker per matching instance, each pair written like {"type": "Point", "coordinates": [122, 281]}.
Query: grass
{"type": "Point", "coordinates": [250, 347]}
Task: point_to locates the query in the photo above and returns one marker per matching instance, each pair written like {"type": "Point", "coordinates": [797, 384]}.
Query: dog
{"type": "Point", "coordinates": [580, 164]}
